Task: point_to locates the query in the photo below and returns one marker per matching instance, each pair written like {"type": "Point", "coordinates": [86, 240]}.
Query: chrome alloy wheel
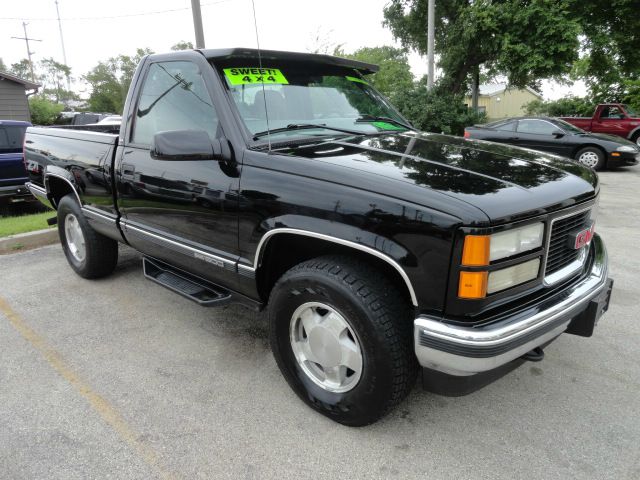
{"type": "Point", "coordinates": [74, 237]}
{"type": "Point", "coordinates": [325, 347]}
{"type": "Point", "coordinates": [590, 159]}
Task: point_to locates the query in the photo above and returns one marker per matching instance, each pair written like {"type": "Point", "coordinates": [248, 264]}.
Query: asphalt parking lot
{"type": "Point", "coordinates": [120, 378]}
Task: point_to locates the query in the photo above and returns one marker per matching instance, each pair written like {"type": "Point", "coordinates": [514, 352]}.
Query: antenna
{"type": "Point", "coordinates": [29, 52]}
{"type": "Point", "coordinates": [264, 97]}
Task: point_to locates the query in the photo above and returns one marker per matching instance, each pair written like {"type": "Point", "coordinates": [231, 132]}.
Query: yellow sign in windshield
{"type": "Point", "coordinates": [248, 75]}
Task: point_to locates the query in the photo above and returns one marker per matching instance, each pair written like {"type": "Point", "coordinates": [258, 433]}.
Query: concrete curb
{"type": "Point", "coordinates": [28, 241]}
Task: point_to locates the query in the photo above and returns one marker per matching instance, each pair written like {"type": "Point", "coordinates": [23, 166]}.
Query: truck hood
{"type": "Point", "coordinates": [506, 183]}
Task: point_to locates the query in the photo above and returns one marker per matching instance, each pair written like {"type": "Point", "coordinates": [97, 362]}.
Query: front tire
{"type": "Point", "coordinates": [342, 336]}
{"type": "Point", "coordinates": [591, 157]}
{"type": "Point", "coordinates": [90, 254]}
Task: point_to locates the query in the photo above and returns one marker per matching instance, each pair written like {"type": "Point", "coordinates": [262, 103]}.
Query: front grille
{"type": "Point", "coordinates": [560, 252]}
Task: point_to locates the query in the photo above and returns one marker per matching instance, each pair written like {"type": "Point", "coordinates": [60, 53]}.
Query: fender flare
{"type": "Point", "coordinates": [61, 174]}
{"type": "Point", "coordinates": [633, 132]}
{"type": "Point", "coordinates": [348, 243]}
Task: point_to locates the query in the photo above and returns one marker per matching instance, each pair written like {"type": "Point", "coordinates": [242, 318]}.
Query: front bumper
{"type": "Point", "coordinates": [623, 158]}
{"type": "Point", "coordinates": [461, 351]}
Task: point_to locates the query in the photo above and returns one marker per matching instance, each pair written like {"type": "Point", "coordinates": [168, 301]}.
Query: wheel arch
{"type": "Point", "coordinates": [633, 133]}
{"type": "Point", "coordinates": [58, 183]}
{"type": "Point", "coordinates": [590, 145]}
{"type": "Point", "coordinates": [297, 245]}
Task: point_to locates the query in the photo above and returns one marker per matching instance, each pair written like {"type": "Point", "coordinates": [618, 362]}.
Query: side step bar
{"type": "Point", "coordinates": [198, 290]}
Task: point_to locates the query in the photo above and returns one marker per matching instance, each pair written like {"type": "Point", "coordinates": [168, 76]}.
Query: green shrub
{"type": "Point", "coordinates": [43, 111]}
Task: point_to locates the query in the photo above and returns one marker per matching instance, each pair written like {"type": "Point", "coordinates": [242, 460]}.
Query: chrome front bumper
{"type": "Point", "coordinates": [463, 351]}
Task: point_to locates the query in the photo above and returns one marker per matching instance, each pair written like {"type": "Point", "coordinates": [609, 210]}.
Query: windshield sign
{"type": "Point", "coordinates": [304, 100]}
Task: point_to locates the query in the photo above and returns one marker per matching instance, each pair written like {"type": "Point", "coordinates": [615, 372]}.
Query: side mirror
{"type": "Point", "coordinates": [558, 134]}
{"type": "Point", "coordinates": [188, 145]}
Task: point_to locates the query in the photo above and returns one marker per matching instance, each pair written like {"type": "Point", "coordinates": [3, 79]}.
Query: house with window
{"type": "Point", "coordinates": [498, 100]}
{"type": "Point", "coordinates": [13, 97]}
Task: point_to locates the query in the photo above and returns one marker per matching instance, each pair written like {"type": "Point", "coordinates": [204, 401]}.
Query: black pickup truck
{"type": "Point", "coordinates": [285, 182]}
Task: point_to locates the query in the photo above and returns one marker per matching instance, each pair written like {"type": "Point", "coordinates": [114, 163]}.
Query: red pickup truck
{"type": "Point", "coordinates": [612, 118]}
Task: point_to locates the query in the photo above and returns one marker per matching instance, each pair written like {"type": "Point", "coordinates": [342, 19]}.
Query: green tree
{"type": "Point", "coordinates": [394, 75]}
{"type": "Point", "coordinates": [525, 40]}
{"type": "Point", "coordinates": [22, 69]}
{"type": "Point", "coordinates": [563, 107]}
{"type": "Point", "coordinates": [182, 45]}
{"type": "Point", "coordinates": [54, 78]}
{"type": "Point", "coordinates": [437, 110]}
{"type": "Point", "coordinates": [110, 81]}
{"type": "Point", "coordinates": [43, 110]}
{"type": "Point", "coordinates": [610, 54]}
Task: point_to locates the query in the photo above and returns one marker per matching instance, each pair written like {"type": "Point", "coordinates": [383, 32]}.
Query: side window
{"type": "Point", "coordinates": [536, 127]}
{"type": "Point", "coordinates": [611, 112]}
{"type": "Point", "coordinates": [509, 126]}
{"type": "Point", "coordinates": [173, 97]}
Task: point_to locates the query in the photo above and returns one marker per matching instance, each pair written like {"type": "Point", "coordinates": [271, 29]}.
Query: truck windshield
{"type": "Point", "coordinates": [630, 111]}
{"type": "Point", "coordinates": [296, 98]}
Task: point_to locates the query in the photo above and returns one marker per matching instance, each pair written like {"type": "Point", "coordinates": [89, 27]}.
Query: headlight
{"type": "Point", "coordinates": [511, 276]}
{"type": "Point", "coordinates": [512, 242]}
{"type": "Point", "coordinates": [481, 250]}
{"type": "Point", "coordinates": [627, 148]}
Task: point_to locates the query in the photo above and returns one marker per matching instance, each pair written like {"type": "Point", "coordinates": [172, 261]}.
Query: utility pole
{"type": "Point", "coordinates": [29, 52]}
{"type": "Point", "coordinates": [197, 23]}
{"type": "Point", "coordinates": [64, 53]}
{"type": "Point", "coordinates": [431, 11]}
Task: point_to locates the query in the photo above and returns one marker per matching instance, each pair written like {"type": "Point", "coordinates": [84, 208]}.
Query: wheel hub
{"type": "Point", "coordinates": [74, 237]}
{"type": "Point", "coordinates": [326, 347]}
{"type": "Point", "coordinates": [589, 159]}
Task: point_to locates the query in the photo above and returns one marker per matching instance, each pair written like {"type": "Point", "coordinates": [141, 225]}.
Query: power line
{"type": "Point", "coordinates": [140, 14]}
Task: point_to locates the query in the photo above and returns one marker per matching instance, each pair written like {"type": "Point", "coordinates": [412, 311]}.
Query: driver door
{"type": "Point", "coordinates": [181, 211]}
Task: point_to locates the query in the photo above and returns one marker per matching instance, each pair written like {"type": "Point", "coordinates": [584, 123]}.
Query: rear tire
{"type": "Point", "coordinates": [342, 336]}
{"type": "Point", "coordinates": [591, 157]}
{"type": "Point", "coordinates": [89, 253]}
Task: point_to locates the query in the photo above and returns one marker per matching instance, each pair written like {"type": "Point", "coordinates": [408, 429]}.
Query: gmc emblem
{"type": "Point", "coordinates": [580, 238]}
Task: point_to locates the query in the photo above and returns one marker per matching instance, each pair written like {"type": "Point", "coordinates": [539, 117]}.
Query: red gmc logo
{"type": "Point", "coordinates": [581, 238]}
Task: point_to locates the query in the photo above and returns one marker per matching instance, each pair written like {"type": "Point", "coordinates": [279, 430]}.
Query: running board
{"type": "Point", "coordinates": [198, 290]}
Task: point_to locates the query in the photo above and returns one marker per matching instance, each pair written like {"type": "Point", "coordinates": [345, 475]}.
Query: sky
{"type": "Point", "coordinates": [95, 30]}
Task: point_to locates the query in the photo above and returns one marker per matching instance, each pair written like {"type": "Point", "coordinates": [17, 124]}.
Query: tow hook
{"type": "Point", "coordinates": [535, 355]}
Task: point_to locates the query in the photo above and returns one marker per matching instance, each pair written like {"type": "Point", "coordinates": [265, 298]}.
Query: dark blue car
{"type": "Point", "coordinates": [12, 169]}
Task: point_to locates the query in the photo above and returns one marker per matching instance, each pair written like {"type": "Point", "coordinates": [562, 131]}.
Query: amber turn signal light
{"type": "Point", "coordinates": [476, 250]}
{"type": "Point", "coordinates": [472, 285]}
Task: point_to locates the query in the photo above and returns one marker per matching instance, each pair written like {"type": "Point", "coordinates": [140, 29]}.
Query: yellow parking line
{"type": "Point", "coordinates": [106, 411]}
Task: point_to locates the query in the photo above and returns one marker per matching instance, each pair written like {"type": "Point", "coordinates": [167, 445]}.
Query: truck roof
{"type": "Point", "coordinates": [276, 55]}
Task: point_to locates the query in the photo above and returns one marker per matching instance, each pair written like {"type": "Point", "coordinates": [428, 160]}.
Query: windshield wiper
{"type": "Point", "coordinates": [304, 126]}
{"type": "Point", "coordinates": [372, 118]}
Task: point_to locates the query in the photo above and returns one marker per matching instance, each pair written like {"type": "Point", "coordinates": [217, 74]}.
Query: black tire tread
{"type": "Point", "coordinates": [102, 252]}
{"type": "Point", "coordinates": [387, 307]}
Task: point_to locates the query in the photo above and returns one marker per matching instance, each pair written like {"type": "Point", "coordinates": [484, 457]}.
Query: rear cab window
{"type": "Point", "coordinates": [11, 138]}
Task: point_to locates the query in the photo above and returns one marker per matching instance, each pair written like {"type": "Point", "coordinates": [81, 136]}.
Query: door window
{"type": "Point", "coordinates": [611, 113]}
{"type": "Point", "coordinates": [173, 97]}
{"type": "Point", "coordinates": [536, 127]}
{"type": "Point", "coordinates": [508, 126]}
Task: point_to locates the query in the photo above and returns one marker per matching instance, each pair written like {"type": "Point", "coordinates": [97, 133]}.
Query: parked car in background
{"type": "Point", "coordinates": [12, 170]}
{"type": "Point", "coordinates": [83, 118]}
{"type": "Point", "coordinates": [612, 118]}
{"type": "Point", "coordinates": [554, 135]}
